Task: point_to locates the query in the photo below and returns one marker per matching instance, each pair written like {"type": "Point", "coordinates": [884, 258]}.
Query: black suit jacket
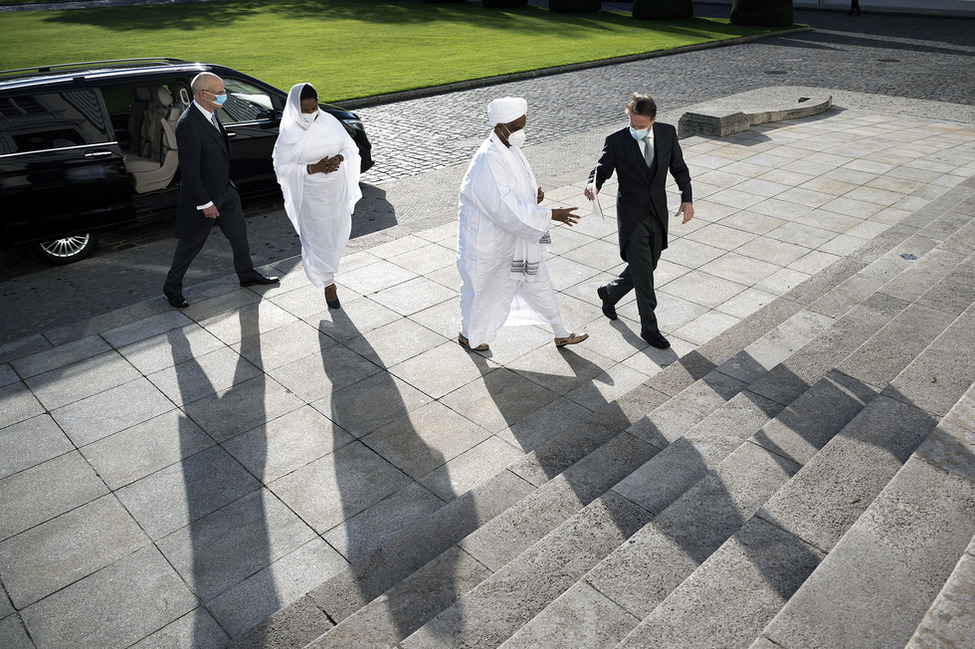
{"type": "Point", "coordinates": [204, 164]}
{"type": "Point", "coordinates": [642, 190]}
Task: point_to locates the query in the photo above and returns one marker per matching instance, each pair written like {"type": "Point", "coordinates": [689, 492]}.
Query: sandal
{"type": "Point", "coordinates": [332, 304]}
{"type": "Point", "coordinates": [467, 345]}
{"type": "Point", "coordinates": [572, 339]}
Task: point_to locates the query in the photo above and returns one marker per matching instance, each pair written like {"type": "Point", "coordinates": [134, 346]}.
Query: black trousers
{"type": "Point", "coordinates": [855, 7]}
{"type": "Point", "coordinates": [642, 254]}
{"type": "Point", "coordinates": [233, 225]}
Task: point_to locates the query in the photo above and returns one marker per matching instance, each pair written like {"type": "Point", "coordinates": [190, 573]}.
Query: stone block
{"type": "Point", "coordinates": [877, 583]}
{"type": "Point", "coordinates": [29, 443]}
{"type": "Point", "coordinates": [108, 412]}
{"type": "Point", "coordinates": [357, 537]}
{"type": "Point", "coordinates": [227, 546]}
{"type": "Point", "coordinates": [582, 617]}
{"type": "Point", "coordinates": [279, 446]}
{"type": "Point", "coordinates": [61, 386]}
{"type": "Point", "coordinates": [18, 403]}
{"type": "Point", "coordinates": [284, 581]}
{"type": "Point", "coordinates": [418, 544]}
{"type": "Point", "coordinates": [242, 407]}
{"type": "Point", "coordinates": [336, 487]}
{"type": "Point", "coordinates": [408, 605]}
{"type": "Point", "coordinates": [13, 634]}
{"type": "Point", "coordinates": [730, 598]}
{"type": "Point", "coordinates": [182, 493]}
{"type": "Point", "coordinates": [941, 374]}
{"type": "Point", "coordinates": [195, 630]}
{"type": "Point", "coordinates": [504, 602]}
{"type": "Point", "coordinates": [57, 553]}
{"type": "Point", "coordinates": [293, 626]}
{"type": "Point", "coordinates": [56, 357]}
{"type": "Point", "coordinates": [806, 426]}
{"type": "Point", "coordinates": [885, 354]}
{"type": "Point", "coordinates": [47, 490]}
{"type": "Point", "coordinates": [139, 593]}
{"type": "Point", "coordinates": [950, 622]}
{"type": "Point", "coordinates": [831, 491]}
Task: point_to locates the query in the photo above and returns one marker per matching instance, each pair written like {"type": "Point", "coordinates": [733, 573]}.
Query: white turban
{"type": "Point", "coordinates": [506, 109]}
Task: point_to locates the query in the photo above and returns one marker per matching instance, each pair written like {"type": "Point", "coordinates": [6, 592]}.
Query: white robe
{"type": "Point", "coordinates": [318, 205]}
{"type": "Point", "coordinates": [503, 234]}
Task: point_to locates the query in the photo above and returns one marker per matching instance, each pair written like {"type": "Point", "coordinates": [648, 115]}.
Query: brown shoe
{"type": "Point", "coordinates": [572, 339]}
{"type": "Point", "coordinates": [467, 345]}
{"type": "Point", "coordinates": [332, 297]}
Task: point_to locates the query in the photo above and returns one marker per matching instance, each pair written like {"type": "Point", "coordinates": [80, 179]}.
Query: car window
{"type": "Point", "coordinates": [246, 103]}
{"type": "Point", "coordinates": [52, 120]}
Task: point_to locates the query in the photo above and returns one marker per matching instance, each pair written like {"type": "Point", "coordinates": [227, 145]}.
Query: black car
{"type": "Point", "coordinates": [86, 147]}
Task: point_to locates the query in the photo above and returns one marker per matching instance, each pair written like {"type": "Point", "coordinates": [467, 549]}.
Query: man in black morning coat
{"type": "Point", "coordinates": [206, 194]}
{"type": "Point", "coordinates": [641, 155]}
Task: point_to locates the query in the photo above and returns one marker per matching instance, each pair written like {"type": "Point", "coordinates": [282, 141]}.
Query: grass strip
{"type": "Point", "coordinates": [347, 48]}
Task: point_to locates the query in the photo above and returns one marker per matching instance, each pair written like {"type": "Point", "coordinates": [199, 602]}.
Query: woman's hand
{"type": "Point", "coordinates": [326, 165]}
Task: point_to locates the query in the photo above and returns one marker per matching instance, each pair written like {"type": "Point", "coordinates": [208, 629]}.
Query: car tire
{"type": "Point", "coordinates": [68, 249]}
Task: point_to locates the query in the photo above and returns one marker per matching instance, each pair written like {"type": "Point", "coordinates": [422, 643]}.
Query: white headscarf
{"type": "Point", "coordinates": [506, 110]}
{"type": "Point", "coordinates": [300, 143]}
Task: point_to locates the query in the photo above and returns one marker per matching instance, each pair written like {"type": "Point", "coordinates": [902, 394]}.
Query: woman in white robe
{"type": "Point", "coordinates": [317, 165]}
{"type": "Point", "coordinates": [503, 234]}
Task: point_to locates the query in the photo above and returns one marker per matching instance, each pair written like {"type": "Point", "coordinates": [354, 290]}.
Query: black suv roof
{"type": "Point", "coordinates": [120, 68]}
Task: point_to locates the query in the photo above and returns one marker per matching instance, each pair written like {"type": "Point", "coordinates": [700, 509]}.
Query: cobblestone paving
{"type": "Point", "coordinates": [888, 55]}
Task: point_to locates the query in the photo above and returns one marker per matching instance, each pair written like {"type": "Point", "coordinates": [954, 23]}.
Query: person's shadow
{"type": "Point", "coordinates": [228, 536]}
{"type": "Point", "coordinates": [382, 502]}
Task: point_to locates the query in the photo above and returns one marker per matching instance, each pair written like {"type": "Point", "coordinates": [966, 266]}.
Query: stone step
{"type": "Point", "coordinates": [338, 598]}
{"type": "Point", "coordinates": [556, 500]}
{"type": "Point", "coordinates": [425, 540]}
{"type": "Point", "coordinates": [860, 326]}
{"type": "Point", "coordinates": [745, 583]}
{"type": "Point", "coordinates": [876, 586]}
{"type": "Point", "coordinates": [494, 545]}
{"type": "Point", "coordinates": [638, 575]}
{"type": "Point", "coordinates": [553, 501]}
{"type": "Point", "coordinates": [950, 621]}
{"type": "Point", "coordinates": [526, 584]}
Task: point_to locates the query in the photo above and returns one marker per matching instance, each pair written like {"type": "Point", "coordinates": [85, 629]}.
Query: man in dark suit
{"type": "Point", "coordinates": [641, 155]}
{"type": "Point", "coordinates": [206, 194]}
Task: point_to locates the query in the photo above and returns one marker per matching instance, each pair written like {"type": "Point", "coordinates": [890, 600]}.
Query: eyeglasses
{"type": "Point", "coordinates": [217, 94]}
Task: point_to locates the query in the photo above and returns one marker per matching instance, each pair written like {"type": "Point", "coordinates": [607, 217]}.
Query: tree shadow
{"type": "Point", "coordinates": [228, 535]}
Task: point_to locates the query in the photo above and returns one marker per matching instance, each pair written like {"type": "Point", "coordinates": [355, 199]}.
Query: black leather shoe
{"type": "Point", "coordinates": [259, 279]}
{"type": "Point", "coordinates": [657, 341]}
{"type": "Point", "coordinates": [609, 309]}
{"type": "Point", "coordinates": [177, 301]}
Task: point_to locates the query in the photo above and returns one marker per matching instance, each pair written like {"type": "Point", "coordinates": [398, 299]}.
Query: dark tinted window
{"type": "Point", "coordinates": [52, 120]}
{"type": "Point", "coordinates": [246, 103]}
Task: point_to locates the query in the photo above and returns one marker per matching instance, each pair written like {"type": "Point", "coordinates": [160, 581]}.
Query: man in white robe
{"type": "Point", "coordinates": [503, 234]}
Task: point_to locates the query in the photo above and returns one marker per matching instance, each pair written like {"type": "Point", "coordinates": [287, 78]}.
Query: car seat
{"type": "Point", "coordinates": [155, 168]}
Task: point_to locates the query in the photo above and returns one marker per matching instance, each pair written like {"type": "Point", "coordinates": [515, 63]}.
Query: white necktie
{"type": "Point", "coordinates": [648, 151]}
{"type": "Point", "coordinates": [213, 120]}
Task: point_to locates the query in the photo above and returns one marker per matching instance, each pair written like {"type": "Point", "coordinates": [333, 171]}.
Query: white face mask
{"type": "Point", "coordinates": [308, 118]}
{"type": "Point", "coordinates": [516, 139]}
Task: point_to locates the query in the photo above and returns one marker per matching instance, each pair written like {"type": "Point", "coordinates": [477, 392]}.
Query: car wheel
{"type": "Point", "coordinates": [68, 249]}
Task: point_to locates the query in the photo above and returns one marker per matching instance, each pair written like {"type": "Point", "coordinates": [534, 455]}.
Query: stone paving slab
{"type": "Point", "coordinates": [350, 425]}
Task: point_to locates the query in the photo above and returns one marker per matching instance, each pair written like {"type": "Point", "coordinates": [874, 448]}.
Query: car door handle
{"type": "Point", "coordinates": [98, 154]}
{"type": "Point", "coordinates": [231, 134]}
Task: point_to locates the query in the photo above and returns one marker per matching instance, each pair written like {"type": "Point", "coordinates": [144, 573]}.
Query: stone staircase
{"type": "Point", "coordinates": [805, 479]}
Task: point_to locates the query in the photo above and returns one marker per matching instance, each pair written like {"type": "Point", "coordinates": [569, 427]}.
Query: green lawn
{"type": "Point", "coordinates": [346, 48]}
